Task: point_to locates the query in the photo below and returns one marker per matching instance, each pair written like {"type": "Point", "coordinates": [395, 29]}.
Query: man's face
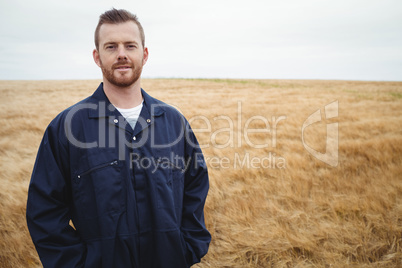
{"type": "Point", "coordinates": [120, 55]}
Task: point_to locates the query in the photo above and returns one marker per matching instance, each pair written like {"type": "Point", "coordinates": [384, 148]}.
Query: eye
{"type": "Point", "coordinates": [131, 46]}
{"type": "Point", "coordinates": [109, 47]}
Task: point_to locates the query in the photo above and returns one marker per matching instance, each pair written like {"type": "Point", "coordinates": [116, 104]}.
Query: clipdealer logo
{"type": "Point", "coordinates": [330, 156]}
{"type": "Point", "coordinates": [233, 132]}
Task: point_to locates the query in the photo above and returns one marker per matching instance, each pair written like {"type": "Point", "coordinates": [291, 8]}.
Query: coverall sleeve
{"type": "Point", "coordinates": [196, 187]}
{"type": "Point", "coordinates": [48, 211]}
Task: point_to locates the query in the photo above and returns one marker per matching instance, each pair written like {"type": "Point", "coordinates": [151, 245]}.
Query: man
{"type": "Point", "coordinates": [123, 167]}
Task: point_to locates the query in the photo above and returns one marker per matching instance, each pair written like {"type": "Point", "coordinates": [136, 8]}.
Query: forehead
{"type": "Point", "coordinates": [121, 32]}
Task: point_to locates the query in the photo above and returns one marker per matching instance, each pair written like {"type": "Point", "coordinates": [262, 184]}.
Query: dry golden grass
{"type": "Point", "coordinates": [300, 213]}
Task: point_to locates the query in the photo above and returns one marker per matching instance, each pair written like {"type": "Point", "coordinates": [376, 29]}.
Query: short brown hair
{"type": "Point", "coordinates": [115, 16]}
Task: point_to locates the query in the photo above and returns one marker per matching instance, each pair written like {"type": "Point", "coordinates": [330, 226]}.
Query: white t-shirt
{"type": "Point", "coordinates": [131, 115]}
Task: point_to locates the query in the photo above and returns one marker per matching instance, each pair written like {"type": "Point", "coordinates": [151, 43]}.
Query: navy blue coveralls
{"type": "Point", "coordinates": [135, 197]}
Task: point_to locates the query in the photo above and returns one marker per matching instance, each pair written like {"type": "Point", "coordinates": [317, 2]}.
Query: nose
{"type": "Point", "coordinates": [122, 53]}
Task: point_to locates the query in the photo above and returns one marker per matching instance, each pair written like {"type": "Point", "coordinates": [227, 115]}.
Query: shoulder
{"type": "Point", "coordinates": [77, 109]}
{"type": "Point", "coordinates": [159, 107]}
{"type": "Point", "coordinates": [94, 102]}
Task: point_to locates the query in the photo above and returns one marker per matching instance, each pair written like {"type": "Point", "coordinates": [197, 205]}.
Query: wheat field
{"type": "Point", "coordinates": [271, 202]}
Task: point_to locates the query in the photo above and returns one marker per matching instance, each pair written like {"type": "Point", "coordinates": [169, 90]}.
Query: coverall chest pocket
{"type": "Point", "coordinates": [169, 178]}
{"type": "Point", "coordinates": [99, 189]}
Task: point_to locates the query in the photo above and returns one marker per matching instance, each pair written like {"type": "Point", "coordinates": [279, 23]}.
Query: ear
{"type": "Point", "coordinates": [97, 60]}
{"type": "Point", "coordinates": [145, 57]}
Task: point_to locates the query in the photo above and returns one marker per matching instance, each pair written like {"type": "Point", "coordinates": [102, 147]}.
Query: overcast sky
{"type": "Point", "coordinates": [271, 39]}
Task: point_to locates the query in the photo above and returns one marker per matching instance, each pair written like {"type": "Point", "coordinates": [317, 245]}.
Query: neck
{"type": "Point", "coordinates": [123, 97]}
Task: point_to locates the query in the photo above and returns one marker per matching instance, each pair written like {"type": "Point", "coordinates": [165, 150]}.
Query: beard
{"type": "Point", "coordinates": [125, 80]}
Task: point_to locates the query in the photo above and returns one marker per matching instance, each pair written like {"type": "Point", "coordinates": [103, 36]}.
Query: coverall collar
{"type": "Point", "coordinates": [154, 107]}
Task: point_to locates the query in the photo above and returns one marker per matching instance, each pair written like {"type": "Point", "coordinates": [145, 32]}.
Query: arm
{"type": "Point", "coordinates": [196, 187]}
{"type": "Point", "coordinates": [48, 210]}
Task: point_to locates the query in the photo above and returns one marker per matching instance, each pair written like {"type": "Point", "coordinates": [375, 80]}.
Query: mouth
{"type": "Point", "coordinates": [123, 68]}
